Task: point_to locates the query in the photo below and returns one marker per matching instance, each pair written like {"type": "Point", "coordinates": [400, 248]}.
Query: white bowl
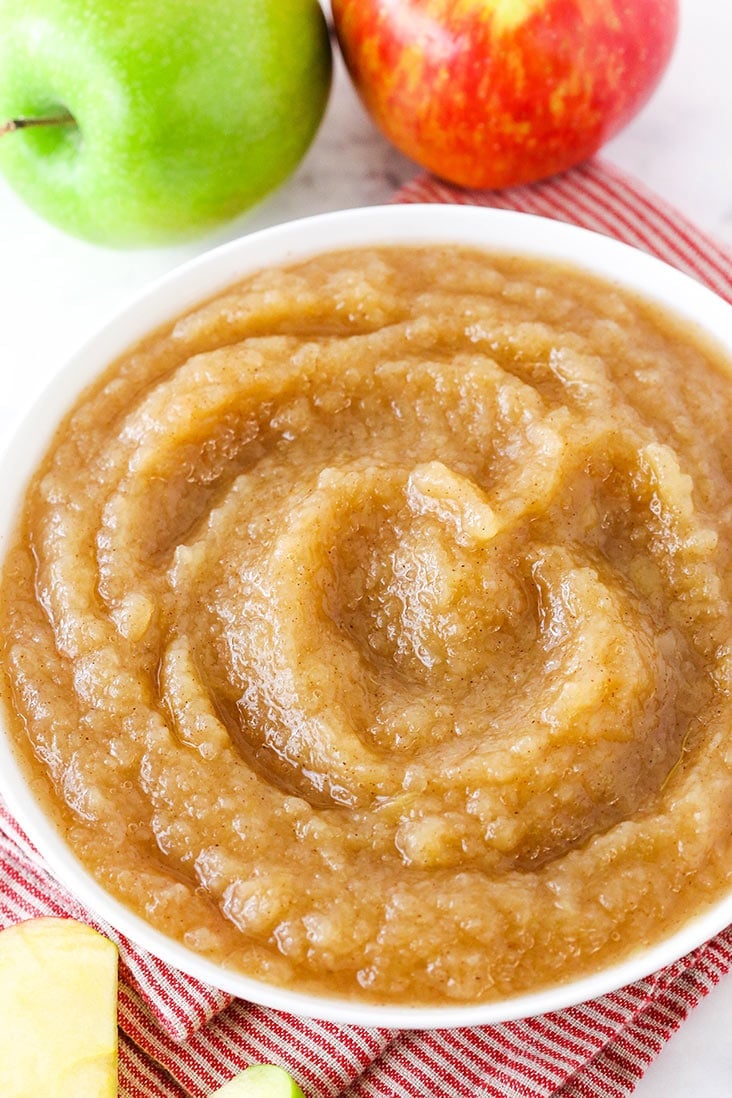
{"type": "Point", "coordinates": [166, 299]}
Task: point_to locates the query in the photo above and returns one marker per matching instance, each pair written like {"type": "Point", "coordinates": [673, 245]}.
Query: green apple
{"type": "Point", "coordinates": [260, 1081]}
{"type": "Point", "coordinates": [155, 120]}
{"type": "Point", "coordinates": [58, 1011]}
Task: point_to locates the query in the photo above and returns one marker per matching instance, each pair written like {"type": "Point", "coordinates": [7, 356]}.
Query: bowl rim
{"type": "Point", "coordinates": [168, 297]}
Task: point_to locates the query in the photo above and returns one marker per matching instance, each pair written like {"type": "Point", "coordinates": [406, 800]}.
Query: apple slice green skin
{"type": "Point", "coordinates": [58, 1011]}
{"type": "Point", "coordinates": [260, 1081]}
{"type": "Point", "coordinates": [185, 113]}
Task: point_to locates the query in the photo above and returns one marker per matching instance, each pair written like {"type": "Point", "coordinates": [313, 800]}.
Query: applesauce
{"type": "Point", "coordinates": [368, 628]}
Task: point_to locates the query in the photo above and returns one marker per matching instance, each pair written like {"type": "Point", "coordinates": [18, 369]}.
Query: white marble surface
{"type": "Point", "coordinates": [53, 290]}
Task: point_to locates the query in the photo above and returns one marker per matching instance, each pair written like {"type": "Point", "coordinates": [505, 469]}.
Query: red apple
{"type": "Point", "coordinates": [489, 93]}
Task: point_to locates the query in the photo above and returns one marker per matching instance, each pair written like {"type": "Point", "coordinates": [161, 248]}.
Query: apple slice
{"type": "Point", "coordinates": [260, 1081]}
{"type": "Point", "coordinates": [58, 1011]}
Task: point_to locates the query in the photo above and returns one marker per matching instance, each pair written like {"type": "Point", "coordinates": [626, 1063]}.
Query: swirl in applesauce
{"type": "Point", "coordinates": [371, 626]}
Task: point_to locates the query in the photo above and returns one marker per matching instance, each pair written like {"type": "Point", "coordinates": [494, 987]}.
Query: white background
{"type": "Point", "coordinates": [54, 291]}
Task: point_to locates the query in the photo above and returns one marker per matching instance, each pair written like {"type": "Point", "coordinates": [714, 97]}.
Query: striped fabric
{"type": "Point", "coordinates": [180, 1038]}
{"type": "Point", "coordinates": [598, 196]}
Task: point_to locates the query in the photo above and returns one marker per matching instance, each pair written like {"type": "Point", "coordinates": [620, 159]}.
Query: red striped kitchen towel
{"type": "Point", "coordinates": [598, 196]}
{"type": "Point", "coordinates": [179, 1037]}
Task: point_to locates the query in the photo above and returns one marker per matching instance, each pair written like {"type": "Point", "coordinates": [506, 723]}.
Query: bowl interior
{"type": "Point", "coordinates": [499, 231]}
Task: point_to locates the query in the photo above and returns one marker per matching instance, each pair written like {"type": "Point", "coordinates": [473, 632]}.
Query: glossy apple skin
{"type": "Point", "coordinates": [260, 1081]}
{"type": "Point", "coordinates": [188, 111]}
{"type": "Point", "coordinates": [491, 93]}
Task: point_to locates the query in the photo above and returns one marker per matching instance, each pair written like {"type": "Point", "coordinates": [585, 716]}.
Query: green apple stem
{"type": "Point", "coordinates": [63, 118]}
